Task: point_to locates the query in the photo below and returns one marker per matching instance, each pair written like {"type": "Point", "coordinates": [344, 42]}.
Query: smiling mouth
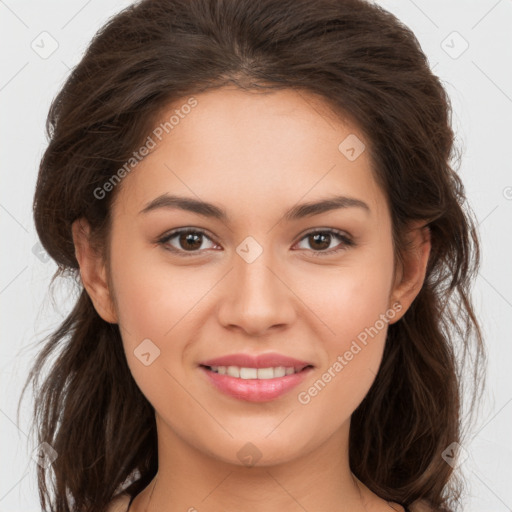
{"type": "Point", "coordinates": [246, 373]}
{"type": "Point", "coordinates": [255, 384]}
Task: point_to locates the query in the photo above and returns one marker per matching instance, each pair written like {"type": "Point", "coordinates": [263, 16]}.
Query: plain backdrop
{"type": "Point", "coordinates": [469, 46]}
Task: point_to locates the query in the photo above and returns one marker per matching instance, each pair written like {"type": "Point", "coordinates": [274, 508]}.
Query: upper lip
{"type": "Point", "coordinates": [268, 360]}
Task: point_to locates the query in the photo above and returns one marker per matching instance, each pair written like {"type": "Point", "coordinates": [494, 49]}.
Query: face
{"type": "Point", "coordinates": [255, 274]}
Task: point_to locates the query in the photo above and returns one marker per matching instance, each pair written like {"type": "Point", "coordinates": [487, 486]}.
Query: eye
{"type": "Point", "coordinates": [321, 239]}
{"type": "Point", "coordinates": [188, 240]}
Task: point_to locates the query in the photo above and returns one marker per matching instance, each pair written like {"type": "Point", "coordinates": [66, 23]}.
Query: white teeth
{"type": "Point", "coordinates": [280, 371]}
{"type": "Point", "coordinates": [233, 371]}
{"type": "Point", "coordinates": [248, 373]}
{"type": "Point", "coordinates": [266, 373]}
{"type": "Point", "coordinates": [254, 373]}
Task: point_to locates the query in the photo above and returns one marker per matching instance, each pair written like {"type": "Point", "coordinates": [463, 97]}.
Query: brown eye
{"type": "Point", "coordinates": [320, 241]}
{"type": "Point", "coordinates": [190, 241]}
{"type": "Point", "coordinates": [185, 240]}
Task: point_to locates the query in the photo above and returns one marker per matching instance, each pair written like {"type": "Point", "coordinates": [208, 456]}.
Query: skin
{"type": "Point", "coordinates": [255, 155]}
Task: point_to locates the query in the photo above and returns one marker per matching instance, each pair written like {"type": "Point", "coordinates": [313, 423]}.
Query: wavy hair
{"type": "Point", "coordinates": [369, 67]}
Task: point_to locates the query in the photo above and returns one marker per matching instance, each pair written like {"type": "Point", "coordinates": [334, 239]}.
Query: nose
{"type": "Point", "coordinates": [256, 297]}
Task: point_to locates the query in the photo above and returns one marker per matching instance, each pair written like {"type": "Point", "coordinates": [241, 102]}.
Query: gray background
{"type": "Point", "coordinates": [479, 81]}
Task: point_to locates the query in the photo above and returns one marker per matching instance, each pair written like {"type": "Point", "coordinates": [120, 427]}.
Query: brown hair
{"type": "Point", "coordinates": [368, 67]}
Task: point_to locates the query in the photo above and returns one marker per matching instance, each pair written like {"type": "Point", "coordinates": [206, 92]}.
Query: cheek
{"type": "Point", "coordinates": [143, 312]}
{"type": "Point", "coordinates": [149, 294]}
{"type": "Point", "coordinates": [347, 299]}
{"type": "Point", "coordinates": [352, 304]}
{"type": "Point", "coordinates": [352, 353]}
{"type": "Point", "coordinates": [150, 313]}
{"type": "Point", "coordinates": [149, 310]}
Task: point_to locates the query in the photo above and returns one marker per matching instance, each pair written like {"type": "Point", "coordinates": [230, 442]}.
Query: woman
{"type": "Point", "coordinates": [274, 260]}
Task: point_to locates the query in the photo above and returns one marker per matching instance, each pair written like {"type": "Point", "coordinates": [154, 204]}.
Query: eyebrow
{"type": "Point", "coordinates": [210, 210]}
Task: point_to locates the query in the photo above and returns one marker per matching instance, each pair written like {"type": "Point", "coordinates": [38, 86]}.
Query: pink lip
{"type": "Point", "coordinates": [255, 390]}
{"type": "Point", "coordinates": [271, 359]}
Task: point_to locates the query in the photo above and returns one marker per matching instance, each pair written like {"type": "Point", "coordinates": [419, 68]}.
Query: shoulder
{"type": "Point", "coordinates": [120, 503]}
{"type": "Point", "coordinates": [421, 506]}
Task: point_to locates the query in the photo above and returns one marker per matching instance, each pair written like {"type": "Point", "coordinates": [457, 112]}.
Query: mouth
{"type": "Point", "coordinates": [255, 384]}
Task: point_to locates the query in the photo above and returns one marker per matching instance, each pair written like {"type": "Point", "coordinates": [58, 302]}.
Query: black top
{"type": "Point", "coordinates": [132, 498]}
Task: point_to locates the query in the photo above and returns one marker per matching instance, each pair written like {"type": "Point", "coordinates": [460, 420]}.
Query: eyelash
{"type": "Point", "coordinates": [347, 242]}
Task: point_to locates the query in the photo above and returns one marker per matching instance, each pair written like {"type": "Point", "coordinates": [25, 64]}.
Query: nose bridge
{"type": "Point", "coordinates": [257, 297]}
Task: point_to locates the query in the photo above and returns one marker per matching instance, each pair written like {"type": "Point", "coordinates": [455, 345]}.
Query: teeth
{"type": "Point", "coordinates": [248, 373]}
{"type": "Point", "coordinates": [254, 373]}
{"type": "Point", "coordinates": [266, 373]}
{"type": "Point", "coordinates": [233, 371]}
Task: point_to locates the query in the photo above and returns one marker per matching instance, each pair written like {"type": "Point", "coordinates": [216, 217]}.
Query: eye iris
{"type": "Point", "coordinates": [190, 238]}
{"type": "Point", "coordinates": [323, 238]}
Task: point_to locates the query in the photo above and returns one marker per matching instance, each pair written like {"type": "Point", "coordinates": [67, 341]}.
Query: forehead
{"type": "Point", "coordinates": [251, 149]}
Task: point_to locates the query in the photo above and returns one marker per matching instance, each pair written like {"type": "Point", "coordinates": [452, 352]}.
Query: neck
{"type": "Point", "coordinates": [188, 479]}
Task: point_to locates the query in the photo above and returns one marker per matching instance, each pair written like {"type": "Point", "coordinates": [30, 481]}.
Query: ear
{"type": "Point", "coordinates": [93, 271]}
{"type": "Point", "coordinates": [410, 275]}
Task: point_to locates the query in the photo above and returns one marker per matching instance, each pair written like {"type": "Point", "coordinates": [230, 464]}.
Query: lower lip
{"type": "Point", "coordinates": [255, 390]}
